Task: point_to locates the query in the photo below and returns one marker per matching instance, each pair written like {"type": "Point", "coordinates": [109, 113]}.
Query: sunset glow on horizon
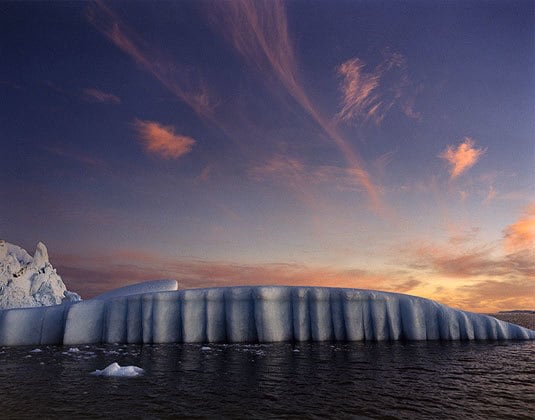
{"type": "Point", "coordinates": [378, 145]}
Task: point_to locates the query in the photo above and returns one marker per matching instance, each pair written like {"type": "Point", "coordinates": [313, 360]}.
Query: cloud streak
{"type": "Point", "coordinates": [258, 30]}
{"type": "Point", "coordinates": [462, 157]}
{"type": "Point", "coordinates": [75, 156]}
{"type": "Point", "coordinates": [359, 92]}
{"type": "Point", "coordinates": [175, 77]}
{"type": "Point", "coordinates": [96, 95]}
{"type": "Point", "coordinates": [161, 140]}
{"type": "Point", "coordinates": [294, 173]}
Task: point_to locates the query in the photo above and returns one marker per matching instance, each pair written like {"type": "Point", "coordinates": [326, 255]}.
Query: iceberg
{"type": "Point", "coordinates": [157, 313]}
{"type": "Point", "coordinates": [119, 371]}
{"type": "Point", "coordinates": [27, 281]}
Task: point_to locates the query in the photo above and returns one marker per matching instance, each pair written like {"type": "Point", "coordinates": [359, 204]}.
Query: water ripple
{"type": "Point", "coordinates": [311, 380]}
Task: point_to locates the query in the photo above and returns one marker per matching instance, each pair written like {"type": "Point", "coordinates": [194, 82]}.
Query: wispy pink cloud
{"type": "Point", "coordinates": [75, 156]}
{"type": "Point", "coordinates": [294, 173]}
{"type": "Point", "coordinates": [175, 77]}
{"type": "Point", "coordinates": [382, 161]}
{"type": "Point", "coordinates": [258, 30]}
{"type": "Point", "coordinates": [96, 95]}
{"type": "Point", "coordinates": [290, 171]}
{"type": "Point", "coordinates": [205, 174]}
{"type": "Point", "coordinates": [360, 98]}
{"type": "Point", "coordinates": [455, 262]}
{"type": "Point", "coordinates": [161, 140]}
{"type": "Point", "coordinates": [461, 237]}
{"type": "Point", "coordinates": [368, 96]}
{"type": "Point", "coordinates": [462, 157]}
{"type": "Point", "coordinates": [491, 195]}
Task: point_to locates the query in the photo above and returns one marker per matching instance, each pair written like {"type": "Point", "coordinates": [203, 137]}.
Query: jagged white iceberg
{"type": "Point", "coordinates": [249, 314]}
{"type": "Point", "coordinates": [27, 281]}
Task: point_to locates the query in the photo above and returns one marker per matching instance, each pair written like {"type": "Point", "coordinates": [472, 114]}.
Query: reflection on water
{"type": "Point", "coordinates": [404, 380]}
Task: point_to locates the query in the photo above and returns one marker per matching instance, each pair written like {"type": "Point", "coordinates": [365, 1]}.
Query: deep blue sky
{"type": "Point", "coordinates": [386, 145]}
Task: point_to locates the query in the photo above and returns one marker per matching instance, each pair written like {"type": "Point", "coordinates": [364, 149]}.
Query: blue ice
{"type": "Point", "coordinates": [157, 313]}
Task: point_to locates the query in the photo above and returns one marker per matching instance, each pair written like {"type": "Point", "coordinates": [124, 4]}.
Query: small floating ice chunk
{"type": "Point", "coordinates": [73, 350]}
{"type": "Point", "coordinates": [206, 348]}
{"type": "Point", "coordinates": [119, 371]}
{"type": "Point", "coordinates": [36, 351]}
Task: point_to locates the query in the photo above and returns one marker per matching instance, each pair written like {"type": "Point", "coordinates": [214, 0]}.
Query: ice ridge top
{"type": "Point", "coordinates": [251, 314]}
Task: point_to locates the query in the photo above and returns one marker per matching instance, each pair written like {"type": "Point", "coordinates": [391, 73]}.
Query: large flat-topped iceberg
{"type": "Point", "coordinates": [250, 314]}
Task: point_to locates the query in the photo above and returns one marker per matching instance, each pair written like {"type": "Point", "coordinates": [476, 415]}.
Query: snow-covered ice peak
{"type": "Point", "coordinates": [40, 258]}
{"type": "Point", "coordinates": [3, 249]}
{"type": "Point", "coordinates": [27, 281]}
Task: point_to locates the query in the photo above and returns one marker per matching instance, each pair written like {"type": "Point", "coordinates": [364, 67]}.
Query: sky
{"type": "Point", "coordinates": [383, 145]}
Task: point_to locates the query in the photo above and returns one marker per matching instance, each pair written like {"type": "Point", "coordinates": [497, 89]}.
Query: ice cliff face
{"type": "Point", "coordinates": [29, 282]}
{"type": "Point", "coordinates": [157, 313]}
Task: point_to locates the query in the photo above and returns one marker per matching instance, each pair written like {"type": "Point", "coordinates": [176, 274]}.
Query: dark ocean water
{"type": "Point", "coordinates": [376, 380]}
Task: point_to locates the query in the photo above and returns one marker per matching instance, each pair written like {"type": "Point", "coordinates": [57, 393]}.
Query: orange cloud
{"type": "Point", "coordinates": [176, 78]}
{"type": "Point", "coordinates": [95, 95]}
{"type": "Point", "coordinates": [463, 157]}
{"type": "Point", "coordinates": [521, 234]}
{"type": "Point", "coordinates": [477, 276]}
{"type": "Point", "coordinates": [162, 141]}
{"type": "Point", "coordinates": [91, 275]}
{"type": "Point", "coordinates": [486, 296]}
{"type": "Point", "coordinates": [495, 295]}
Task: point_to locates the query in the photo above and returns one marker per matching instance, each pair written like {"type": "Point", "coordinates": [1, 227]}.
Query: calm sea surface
{"type": "Point", "coordinates": [376, 380]}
